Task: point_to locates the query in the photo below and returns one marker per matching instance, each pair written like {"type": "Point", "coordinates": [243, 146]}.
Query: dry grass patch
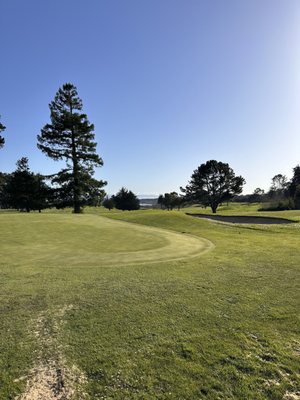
{"type": "Point", "coordinates": [51, 378]}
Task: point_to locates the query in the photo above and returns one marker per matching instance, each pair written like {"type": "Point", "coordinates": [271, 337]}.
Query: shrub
{"type": "Point", "coordinates": [280, 205]}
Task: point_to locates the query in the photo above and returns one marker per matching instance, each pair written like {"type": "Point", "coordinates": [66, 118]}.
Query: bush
{"type": "Point", "coordinates": [108, 203]}
{"type": "Point", "coordinates": [280, 205]}
{"type": "Point", "coordinates": [126, 200]}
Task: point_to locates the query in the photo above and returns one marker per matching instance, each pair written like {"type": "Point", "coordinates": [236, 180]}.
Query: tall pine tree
{"type": "Point", "coordinates": [70, 137]}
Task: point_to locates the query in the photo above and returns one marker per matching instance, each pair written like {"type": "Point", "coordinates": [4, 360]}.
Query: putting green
{"type": "Point", "coordinates": [87, 240]}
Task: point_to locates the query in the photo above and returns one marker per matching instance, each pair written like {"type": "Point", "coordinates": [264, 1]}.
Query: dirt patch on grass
{"type": "Point", "coordinates": [242, 219]}
{"type": "Point", "coordinates": [292, 396]}
{"type": "Point", "coordinates": [51, 378]}
{"type": "Point", "coordinates": [47, 383]}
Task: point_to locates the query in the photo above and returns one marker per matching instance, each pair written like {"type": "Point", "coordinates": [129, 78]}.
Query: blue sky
{"type": "Point", "coordinates": [169, 84]}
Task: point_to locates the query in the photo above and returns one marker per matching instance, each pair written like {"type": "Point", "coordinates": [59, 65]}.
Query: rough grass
{"type": "Point", "coordinates": [224, 325]}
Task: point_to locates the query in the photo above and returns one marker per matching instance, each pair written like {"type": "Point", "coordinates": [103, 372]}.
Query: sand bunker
{"type": "Point", "coordinates": [235, 219]}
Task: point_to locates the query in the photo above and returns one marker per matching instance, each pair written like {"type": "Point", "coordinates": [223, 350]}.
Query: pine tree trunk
{"type": "Point", "coordinates": [76, 190]}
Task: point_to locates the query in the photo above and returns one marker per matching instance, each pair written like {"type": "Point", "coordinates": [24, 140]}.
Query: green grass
{"type": "Point", "coordinates": [221, 325]}
{"type": "Point", "coordinates": [245, 209]}
{"type": "Point", "coordinates": [53, 240]}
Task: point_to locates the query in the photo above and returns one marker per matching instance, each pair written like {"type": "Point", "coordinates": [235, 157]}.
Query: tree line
{"type": "Point", "coordinates": [69, 136]}
{"type": "Point", "coordinates": [171, 200]}
{"type": "Point", "coordinates": [283, 194]}
{"type": "Point", "coordinates": [214, 183]}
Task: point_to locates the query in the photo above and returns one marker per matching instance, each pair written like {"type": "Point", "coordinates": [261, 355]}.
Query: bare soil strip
{"type": "Point", "coordinates": [243, 219]}
{"type": "Point", "coordinates": [291, 396]}
{"type": "Point", "coordinates": [51, 378]}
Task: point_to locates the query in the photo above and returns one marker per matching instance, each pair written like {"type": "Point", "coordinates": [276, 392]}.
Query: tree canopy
{"type": "Point", "coordinates": [108, 203]}
{"type": "Point", "coordinates": [2, 140]}
{"type": "Point", "coordinates": [213, 183]}
{"type": "Point", "coordinates": [70, 137]}
{"type": "Point", "coordinates": [24, 190]}
{"type": "Point", "coordinates": [170, 200]}
{"type": "Point", "coordinates": [295, 181]}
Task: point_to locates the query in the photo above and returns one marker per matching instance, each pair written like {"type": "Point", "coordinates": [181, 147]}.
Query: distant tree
{"type": "Point", "coordinates": [126, 200]}
{"type": "Point", "coordinates": [278, 189]}
{"type": "Point", "coordinates": [170, 200]}
{"type": "Point", "coordinates": [167, 201]}
{"type": "Point", "coordinates": [294, 187]}
{"type": "Point", "coordinates": [4, 178]}
{"type": "Point", "coordinates": [297, 198]}
{"type": "Point", "coordinates": [176, 200]}
{"type": "Point", "coordinates": [284, 194]}
{"type": "Point", "coordinates": [160, 200]}
{"type": "Point", "coordinates": [20, 186]}
{"type": "Point", "coordinates": [2, 140]}
{"type": "Point", "coordinates": [295, 181]}
{"type": "Point", "coordinates": [41, 193]}
{"type": "Point", "coordinates": [25, 190]}
{"type": "Point", "coordinates": [213, 183]}
{"type": "Point", "coordinates": [257, 195]}
{"type": "Point", "coordinates": [70, 137]}
{"type": "Point", "coordinates": [259, 192]}
{"type": "Point", "coordinates": [108, 203]}
{"type": "Point", "coordinates": [279, 182]}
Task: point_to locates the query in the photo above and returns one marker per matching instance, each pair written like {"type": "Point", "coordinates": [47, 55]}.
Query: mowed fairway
{"type": "Point", "coordinates": [134, 306]}
{"type": "Point", "coordinates": [89, 240]}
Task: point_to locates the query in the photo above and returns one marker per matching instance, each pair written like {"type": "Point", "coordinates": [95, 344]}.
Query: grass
{"type": "Point", "coordinates": [221, 325]}
{"type": "Point", "coordinates": [246, 209]}
{"type": "Point", "coordinates": [72, 240]}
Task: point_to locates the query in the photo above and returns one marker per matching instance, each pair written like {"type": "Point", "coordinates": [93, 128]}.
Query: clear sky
{"type": "Point", "coordinates": [169, 84]}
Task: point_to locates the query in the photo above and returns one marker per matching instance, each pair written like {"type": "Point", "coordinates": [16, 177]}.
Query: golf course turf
{"type": "Point", "coordinates": [131, 305]}
{"type": "Point", "coordinates": [100, 241]}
